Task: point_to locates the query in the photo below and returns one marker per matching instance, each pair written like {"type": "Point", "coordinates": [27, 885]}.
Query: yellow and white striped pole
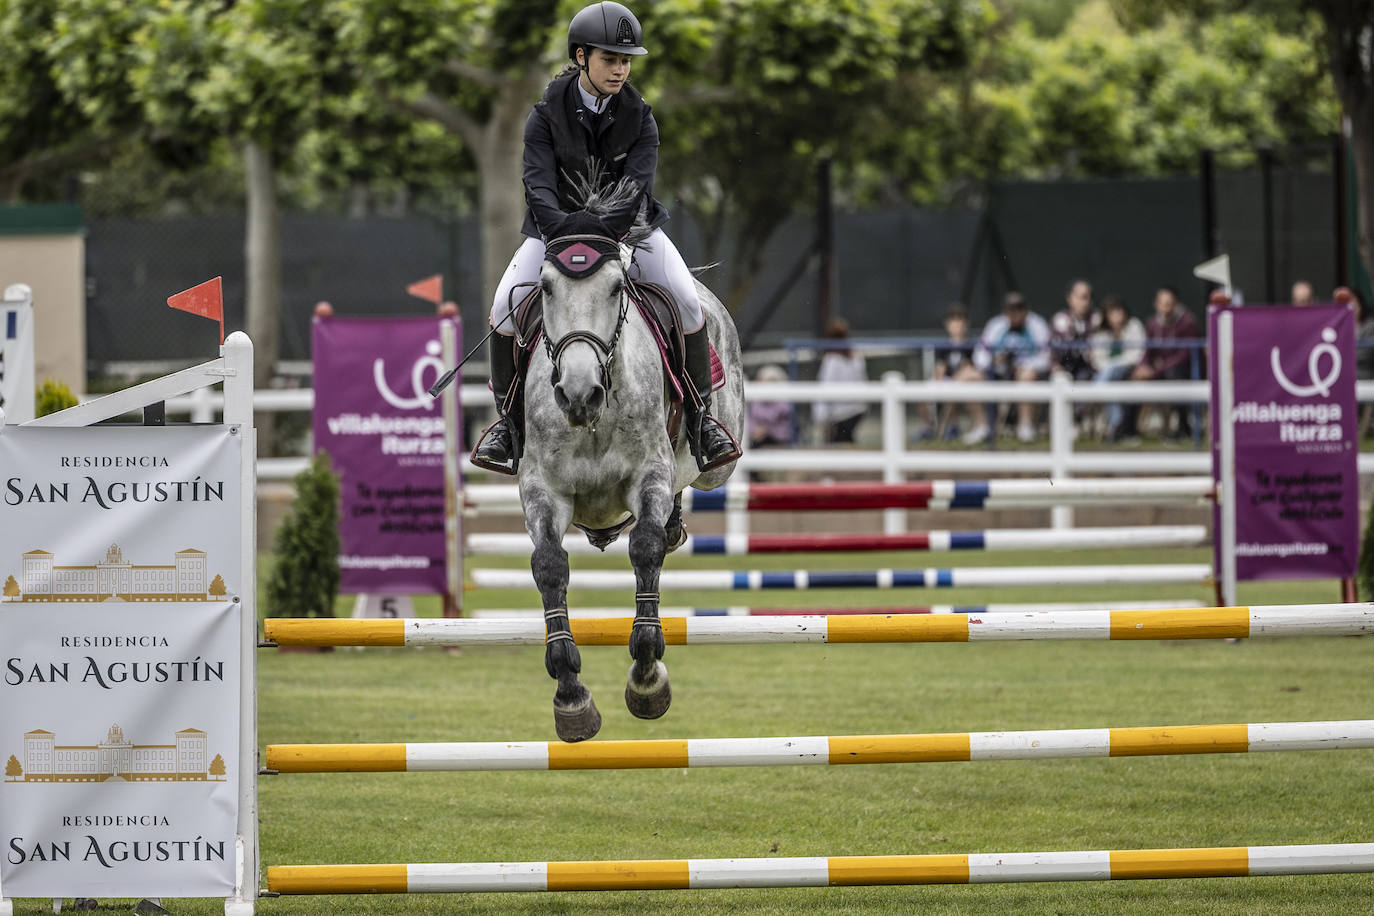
{"type": "Point", "coordinates": [1171, 623]}
{"type": "Point", "coordinates": [822, 871]}
{"type": "Point", "coordinates": [820, 750]}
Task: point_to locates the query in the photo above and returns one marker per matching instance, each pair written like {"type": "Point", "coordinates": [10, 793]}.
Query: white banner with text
{"type": "Point", "coordinates": [119, 661]}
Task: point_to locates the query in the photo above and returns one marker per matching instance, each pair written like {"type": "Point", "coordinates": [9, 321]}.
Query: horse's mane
{"type": "Point", "coordinates": [593, 192]}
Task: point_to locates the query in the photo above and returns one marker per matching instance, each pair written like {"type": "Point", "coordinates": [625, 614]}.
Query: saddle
{"type": "Point", "coordinates": [655, 305]}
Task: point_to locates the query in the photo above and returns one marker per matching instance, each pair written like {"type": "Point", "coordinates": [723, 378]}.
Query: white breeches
{"type": "Point", "coordinates": [656, 261]}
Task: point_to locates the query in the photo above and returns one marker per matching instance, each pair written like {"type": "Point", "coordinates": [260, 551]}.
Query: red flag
{"type": "Point", "coordinates": [205, 300]}
{"type": "Point", "coordinates": [430, 289]}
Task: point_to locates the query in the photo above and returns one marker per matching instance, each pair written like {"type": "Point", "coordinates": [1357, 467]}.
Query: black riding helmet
{"type": "Point", "coordinates": [606, 25]}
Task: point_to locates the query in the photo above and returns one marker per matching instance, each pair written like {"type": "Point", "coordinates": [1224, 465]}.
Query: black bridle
{"type": "Point", "coordinates": [578, 257]}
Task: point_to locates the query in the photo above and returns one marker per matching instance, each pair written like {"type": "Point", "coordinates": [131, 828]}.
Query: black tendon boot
{"type": "Point", "coordinates": [496, 449]}
{"type": "Point", "coordinates": [712, 444]}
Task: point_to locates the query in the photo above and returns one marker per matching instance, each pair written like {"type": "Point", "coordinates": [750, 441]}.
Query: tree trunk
{"type": "Point", "coordinates": [1350, 48]}
{"type": "Point", "coordinates": [262, 255]}
{"type": "Point", "coordinates": [1362, 141]}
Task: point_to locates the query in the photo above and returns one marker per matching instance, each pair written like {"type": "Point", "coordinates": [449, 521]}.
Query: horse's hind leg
{"type": "Point", "coordinates": [647, 694]}
{"type": "Point", "coordinates": [575, 716]}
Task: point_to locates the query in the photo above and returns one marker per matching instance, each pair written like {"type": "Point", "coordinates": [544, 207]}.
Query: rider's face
{"type": "Point", "coordinates": [606, 71]}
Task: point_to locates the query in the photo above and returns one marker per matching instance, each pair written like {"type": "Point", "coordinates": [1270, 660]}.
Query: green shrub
{"type": "Point", "coordinates": [305, 573]}
{"type": "Point", "coordinates": [51, 397]}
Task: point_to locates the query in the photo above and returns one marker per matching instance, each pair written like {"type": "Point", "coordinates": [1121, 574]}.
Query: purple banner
{"type": "Point", "coordinates": [1296, 429]}
{"type": "Point", "coordinates": [385, 436]}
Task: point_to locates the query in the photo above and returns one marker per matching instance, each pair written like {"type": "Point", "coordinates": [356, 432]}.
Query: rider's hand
{"type": "Point", "coordinates": [581, 223]}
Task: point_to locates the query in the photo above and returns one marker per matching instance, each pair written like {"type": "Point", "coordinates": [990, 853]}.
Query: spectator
{"type": "Point", "coordinates": [840, 364]}
{"type": "Point", "coordinates": [1015, 346]}
{"type": "Point", "coordinates": [1117, 348]}
{"type": "Point", "coordinates": [958, 351]}
{"type": "Point", "coordinates": [770, 422]}
{"type": "Point", "coordinates": [1171, 321]}
{"type": "Point", "coordinates": [1301, 294]}
{"type": "Point", "coordinates": [1072, 327]}
{"type": "Point", "coordinates": [952, 358]}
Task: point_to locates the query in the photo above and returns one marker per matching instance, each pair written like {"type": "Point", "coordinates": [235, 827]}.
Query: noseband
{"type": "Point", "coordinates": [578, 257]}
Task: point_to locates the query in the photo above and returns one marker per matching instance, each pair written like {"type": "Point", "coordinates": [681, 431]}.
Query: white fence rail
{"type": "Point", "coordinates": [893, 459]}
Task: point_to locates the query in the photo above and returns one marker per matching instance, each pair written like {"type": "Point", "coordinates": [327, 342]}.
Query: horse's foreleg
{"type": "Point", "coordinates": [575, 716]}
{"type": "Point", "coordinates": [647, 694]}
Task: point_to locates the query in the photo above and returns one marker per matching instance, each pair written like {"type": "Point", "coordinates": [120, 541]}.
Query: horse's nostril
{"type": "Point", "coordinates": [560, 397]}
{"type": "Point", "coordinates": [596, 399]}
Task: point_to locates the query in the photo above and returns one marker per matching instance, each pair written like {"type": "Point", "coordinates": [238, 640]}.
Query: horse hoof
{"type": "Point", "coordinates": [651, 699]}
{"type": "Point", "coordinates": [578, 723]}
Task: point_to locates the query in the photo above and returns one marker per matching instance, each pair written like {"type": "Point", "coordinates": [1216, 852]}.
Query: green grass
{"type": "Point", "coordinates": [493, 694]}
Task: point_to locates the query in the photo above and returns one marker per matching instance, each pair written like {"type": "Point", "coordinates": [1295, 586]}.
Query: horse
{"type": "Point", "coordinates": [597, 453]}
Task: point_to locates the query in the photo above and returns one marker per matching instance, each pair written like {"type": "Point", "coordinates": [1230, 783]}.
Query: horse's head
{"type": "Point", "coordinates": [583, 283]}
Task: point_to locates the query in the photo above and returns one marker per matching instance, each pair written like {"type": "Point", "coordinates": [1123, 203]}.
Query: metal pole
{"type": "Point", "coordinates": [1339, 208]}
{"type": "Point", "coordinates": [1207, 180]}
{"type": "Point", "coordinates": [825, 246]}
{"type": "Point", "coordinates": [237, 351]}
{"type": "Point", "coordinates": [450, 329]}
{"type": "Point", "coordinates": [894, 443]}
{"type": "Point", "coordinates": [1266, 157]}
{"type": "Point", "coordinates": [1226, 458]}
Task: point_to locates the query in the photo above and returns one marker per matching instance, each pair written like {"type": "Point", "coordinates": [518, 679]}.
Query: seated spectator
{"type": "Point", "coordinates": [1302, 294]}
{"type": "Point", "coordinates": [1117, 348]}
{"type": "Point", "coordinates": [1071, 328]}
{"type": "Point", "coordinates": [1014, 346]}
{"type": "Point", "coordinates": [956, 353]}
{"type": "Point", "coordinates": [841, 364]}
{"type": "Point", "coordinates": [770, 422]}
{"type": "Point", "coordinates": [1171, 321]}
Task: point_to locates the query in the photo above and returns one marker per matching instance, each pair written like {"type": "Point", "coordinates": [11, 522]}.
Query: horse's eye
{"type": "Point", "coordinates": [545, 286]}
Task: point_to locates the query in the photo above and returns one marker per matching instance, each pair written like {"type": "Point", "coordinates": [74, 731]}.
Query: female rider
{"type": "Point", "coordinates": [591, 113]}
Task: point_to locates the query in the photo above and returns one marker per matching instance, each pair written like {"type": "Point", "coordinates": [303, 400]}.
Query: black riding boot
{"type": "Point", "coordinates": [496, 449]}
{"type": "Point", "coordinates": [712, 444]}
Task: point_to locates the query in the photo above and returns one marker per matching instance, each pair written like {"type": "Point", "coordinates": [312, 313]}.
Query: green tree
{"type": "Point", "coordinates": [305, 571]}
{"type": "Point", "coordinates": [473, 67]}
{"type": "Point", "coordinates": [751, 96]}
{"type": "Point", "coordinates": [1335, 31]}
{"type": "Point", "coordinates": [257, 71]}
{"type": "Point", "coordinates": [1348, 40]}
{"type": "Point", "coordinates": [43, 133]}
{"type": "Point", "coordinates": [11, 587]}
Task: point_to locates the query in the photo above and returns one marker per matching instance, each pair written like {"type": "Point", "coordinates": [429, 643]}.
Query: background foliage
{"type": "Point", "coordinates": [383, 107]}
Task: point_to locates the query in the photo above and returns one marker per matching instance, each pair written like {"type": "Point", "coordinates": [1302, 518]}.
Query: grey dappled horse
{"type": "Point", "coordinates": [597, 454]}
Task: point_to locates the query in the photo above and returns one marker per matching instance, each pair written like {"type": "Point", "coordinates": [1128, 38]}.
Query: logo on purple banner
{"type": "Point", "coordinates": [385, 437]}
{"type": "Point", "coordinates": [1295, 418]}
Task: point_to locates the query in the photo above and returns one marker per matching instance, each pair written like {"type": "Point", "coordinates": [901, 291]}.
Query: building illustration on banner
{"type": "Point", "coordinates": [115, 759]}
{"type": "Point", "coordinates": [41, 578]}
